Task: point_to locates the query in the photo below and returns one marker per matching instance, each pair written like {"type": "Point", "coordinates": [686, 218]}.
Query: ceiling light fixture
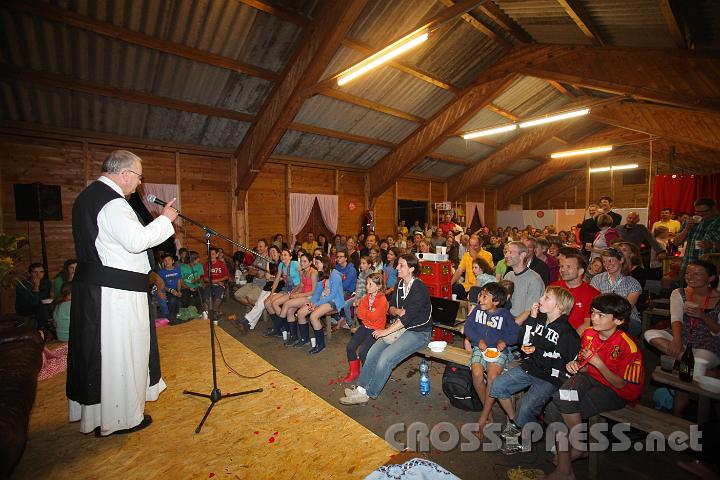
{"type": "Point", "coordinates": [582, 151]}
{"type": "Point", "coordinates": [386, 54]}
{"type": "Point", "coordinates": [489, 131]}
{"type": "Point", "coordinates": [613, 168]}
{"type": "Point", "coordinates": [555, 118]}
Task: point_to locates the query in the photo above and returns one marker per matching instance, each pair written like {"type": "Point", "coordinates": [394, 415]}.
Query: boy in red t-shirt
{"type": "Point", "coordinates": [218, 276]}
{"type": "Point", "coordinates": [608, 373]}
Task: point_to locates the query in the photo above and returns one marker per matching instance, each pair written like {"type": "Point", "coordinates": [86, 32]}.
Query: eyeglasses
{"type": "Point", "coordinates": [140, 177]}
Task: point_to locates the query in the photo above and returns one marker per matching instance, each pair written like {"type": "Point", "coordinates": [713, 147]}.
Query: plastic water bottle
{"type": "Point", "coordinates": [424, 379]}
{"type": "Point", "coordinates": [238, 276]}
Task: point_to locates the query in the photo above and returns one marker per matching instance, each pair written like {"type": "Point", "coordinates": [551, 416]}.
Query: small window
{"type": "Point", "coordinates": [635, 177]}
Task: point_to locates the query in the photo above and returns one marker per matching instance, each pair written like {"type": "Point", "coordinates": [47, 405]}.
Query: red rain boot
{"type": "Point", "coordinates": [354, 371]}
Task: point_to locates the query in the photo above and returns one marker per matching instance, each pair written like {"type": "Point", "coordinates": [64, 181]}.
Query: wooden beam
{"type": "Point", "coordinates": [490, 9]}
{"type": "Point", "coordinates": [673, 25]}
{"type": "Point", "coordinates": [322, 39]}
{"type": "Point", "coordinates": [451, 159]}
{"type": "Point", "coordinates": [341, 135]}
{"type": "Point", "coordinates": [503, 112]}
{"type": "Point", "coordinates": [8, 72]}
{"type": "Point", "coordinates": [11, 73]}
{"type": "Point", "coordinates": [478, 25]}
{"type": "Point", "coordinates": [560, 88]}
{"type": "Point", "coordinates": [429, 136]}
{"type": "Point", "coordinates": [369, 104]}
{"type": "Point", "coordinates": [582, 19]}
{"type": "Point", "coordinates": [403, 67]}
{"type": "Point", "coordinates": [532, 178]}
{"type": "Point", "coordinates": [57, 14]}
{"type": "Point", "coordinates": [282, 14]}
{"type": "Point", "coordinates": [625, 71]}
{"type": "Point", "coordinates": [501, 158]}
{"type": "Point", "coordinates": [678, 124]}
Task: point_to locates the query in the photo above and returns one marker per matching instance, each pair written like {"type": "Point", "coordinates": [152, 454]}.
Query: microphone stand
{"type": "Point", "coordinates": [214, 396]}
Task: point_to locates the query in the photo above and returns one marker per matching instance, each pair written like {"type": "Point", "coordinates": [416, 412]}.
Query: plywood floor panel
{"type": "Point", "coordinates": [285, 431]}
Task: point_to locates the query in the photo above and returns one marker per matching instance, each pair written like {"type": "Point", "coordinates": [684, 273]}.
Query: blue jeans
{"type": "Point", "coordinates": [517, 379]}
{"type": "Point", "coordinates": [383, 357]}
{"type": "Point", "coordinates": [169, 307]}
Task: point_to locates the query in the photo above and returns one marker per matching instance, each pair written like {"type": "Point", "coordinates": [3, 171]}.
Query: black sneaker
{"type": "Point", "coordinates": [271, 332]}
{"type": "Point", "coordinates": [301, 342]}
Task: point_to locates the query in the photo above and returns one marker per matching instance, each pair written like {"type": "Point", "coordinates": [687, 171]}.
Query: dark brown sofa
{"type": "Point", "coordinates": [20, 362]}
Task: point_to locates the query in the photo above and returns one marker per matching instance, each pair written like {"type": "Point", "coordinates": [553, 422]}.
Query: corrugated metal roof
{"type": "Point", "coordinates": [390, 86]}
{"type": "Point", "coordinates": [466, 149]}
{"type": "Point", "coordinates": [485, 118]}
{"type": "Point", "coordinates": [316, 147]}
{"type": "Point", "coordinates": [544, 20]}
{"type": "Point", "coordinates": [521, 165]}
{"type": "Point", "coordinates": [436, 168]}
{"type": "Point", "coordinates": [530, 96]}
{"type": "Point", "coordinates": [630, 24]}
{"type": "Point", "coordinates": [336, 115]}
{"type": "Point", "coordinates": [703, 18]}
{"type": "Point", "coordinates": [498, 179]}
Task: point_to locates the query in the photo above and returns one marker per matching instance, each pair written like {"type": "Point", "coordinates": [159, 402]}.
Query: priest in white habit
{"type": "Point", "coordinates": [113, 362]}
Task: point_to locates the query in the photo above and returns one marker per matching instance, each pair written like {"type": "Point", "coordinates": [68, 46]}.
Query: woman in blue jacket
{"type": "Point", "coordinates": [327, 298]}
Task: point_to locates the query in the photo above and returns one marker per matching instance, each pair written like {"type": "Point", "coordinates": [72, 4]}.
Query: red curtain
{"type": "Point", "coordinates": [707, 186]}
{"type": "Point", "coordinates": [673, 191]}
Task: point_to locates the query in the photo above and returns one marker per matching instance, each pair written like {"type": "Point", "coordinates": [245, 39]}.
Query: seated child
{"type": "Point", "coordinates": [549, 343]}
{"type": "Point", "coordinates": [372, 311]}
{"type": "Point", "coordinates": [608, 373]}
{"type": "Point", "coordinates": [61, 314]}
{"type": "Point", "coordinates": [489, 325]}
{"type": "Point", "coordinates": [169, 299]}
{"type": "Point", "coordinates": [483, 275]}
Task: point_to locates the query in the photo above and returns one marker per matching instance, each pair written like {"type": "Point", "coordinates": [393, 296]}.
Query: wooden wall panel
{"type": "Point", "coordinates": [351, 189]}
{"type": "Point", "coordinates": [205, 196]}
{"type": "Point", "coordinates": [384, 213]}
{"type": "Point", "coordinates": [24, 160]}
{"type": "Point", "coordinates": [267, 212]}
{"type": "Point", "coordinates": [306, 179]}
{"type": "Point", "coordinates": [413, 189]}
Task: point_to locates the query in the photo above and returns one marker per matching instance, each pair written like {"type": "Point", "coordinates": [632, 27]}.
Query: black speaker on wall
{"type": "Point", "coordinates": [35, 201]}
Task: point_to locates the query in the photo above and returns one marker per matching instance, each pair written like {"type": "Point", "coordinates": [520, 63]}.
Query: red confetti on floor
{"type": "Point", "coordinates": [211, 474]}
{"type": "Point", "coordinates": [256, 432]}
{"type": "Point", "coordinates": [275, 433]}
{"type": "Point", "coordinates": [296, 388]}
{"type": "Point", "coordinates": [278, 407]}
{"type": "Point", "coordinates": [271, 440]}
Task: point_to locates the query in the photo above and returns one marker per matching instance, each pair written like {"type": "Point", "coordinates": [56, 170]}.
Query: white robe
{"type": "Point", "coordinates": [125, 331]}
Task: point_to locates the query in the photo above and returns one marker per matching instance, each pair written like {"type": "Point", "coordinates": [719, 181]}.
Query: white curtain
{"type": "Point", "coordinates": [329, 209]}
{"type": "Point", "coordinates": [300, 207]}
{"type": "Point", "coordinates": [470, 208]}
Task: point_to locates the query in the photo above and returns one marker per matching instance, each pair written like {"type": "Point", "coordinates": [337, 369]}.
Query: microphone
{"type": "Point", "coordinates": [153, 199]}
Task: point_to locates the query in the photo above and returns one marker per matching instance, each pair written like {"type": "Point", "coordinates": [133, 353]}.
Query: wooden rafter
{"type": "Point", "coordinates": [282, 14]}
{"type": "Point", "coordinates": [494, 163]}
{"type": "Point", "coordinates": [369, 104]}
{"type": "Point", "coordinates": [429, 136]}
{"type": "Point", "coordinates": [606, 69]}
{"type": "Point", "coordinates": [451, 159]}
{"type": "Point", "coordinates": [676, 30]}
{"type": "Point", "coordinates": [501, 111]}
{"type": "Point", "coordinates": [550, 167]}
{"type": "Point", "coordinates": [561, 88]}
{"type": "Point", "coordinates": [678, 124]}
{"type": "Point", "coordinates": [478, 25]}
{"type": "Point", "coordinates": [12, 73]}
{"type": "Point", "coordinates": [133, 37]}
{"type": "Point", "coordinates": [323, 38]}
{"type": "Point", "coordinates": [490, 9]}
{"type": "Point", "coordinates": [582, 19]}
{"type": "Point", "coordinates": [403, 67]}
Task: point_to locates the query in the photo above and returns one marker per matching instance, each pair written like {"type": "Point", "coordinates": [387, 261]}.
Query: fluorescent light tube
{"type": "Point", "coordinates": [555, 118]}
{"type": "Point", "coordinates": [489, 131]}
{"type": "Point", "coordinates": [613, 168]}
{"type": "Point", "coordinates": [583, 151]}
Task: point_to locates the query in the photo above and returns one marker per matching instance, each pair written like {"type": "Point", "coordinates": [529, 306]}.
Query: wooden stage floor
{"type": "Point", "coordinates": [286, 431]}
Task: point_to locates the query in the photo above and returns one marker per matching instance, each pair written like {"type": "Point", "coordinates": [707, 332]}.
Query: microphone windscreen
{"type": "Point", "coordinates": [150, 198]}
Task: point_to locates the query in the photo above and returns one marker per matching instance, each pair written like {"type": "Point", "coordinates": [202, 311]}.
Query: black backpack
{"type": "Point", "coordinates": [458, 386]}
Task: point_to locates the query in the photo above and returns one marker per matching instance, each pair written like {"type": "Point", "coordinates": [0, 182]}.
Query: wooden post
{"type": "Point", "coordinates": [650, 176]}
{"type": "Point", "coordinates": [86, 163]}
{"type": "Point", "coordinates": [587, 182]}
{"type": "Point", "coordinates": [288, 185]}
{"type": "Point", "coordinates": [179, 196]}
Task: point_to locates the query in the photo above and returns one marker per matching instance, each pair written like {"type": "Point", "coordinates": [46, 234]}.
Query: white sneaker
{"type": "Point", "coordinates": [350, 390]}
{"type": "Point", "coordinates": [356, 398]}
{"type": "Point", "coordinates": [514, 445]}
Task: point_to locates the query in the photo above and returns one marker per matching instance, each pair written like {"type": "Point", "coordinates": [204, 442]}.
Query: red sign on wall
{"type": "Point", "coordinates": [540, 214]}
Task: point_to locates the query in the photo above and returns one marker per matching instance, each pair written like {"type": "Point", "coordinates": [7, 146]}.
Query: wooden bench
{"type": "Point", "coordinates": [641, 418]}
{"type": "Point", "coordinates": [450, 354]}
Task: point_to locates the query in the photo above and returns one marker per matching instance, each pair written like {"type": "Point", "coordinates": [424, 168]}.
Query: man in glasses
{"type": "Point", "coordinates": [113, 365]}
{"type": "Point", "coordinates": [702, 232]}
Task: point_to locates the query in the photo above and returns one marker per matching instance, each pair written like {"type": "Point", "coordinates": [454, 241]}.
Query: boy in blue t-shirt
{"type": "Point", "coordinates": [169, 299]}
{"type": "Point", "coordinates": [489, 325]}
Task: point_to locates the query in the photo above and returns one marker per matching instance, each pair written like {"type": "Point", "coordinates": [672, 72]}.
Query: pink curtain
{"type": "Point", "coordinates": [470, 208]}
{"type": "Point", "coordinates": [673, 191]}
{"type": "Point", "coordinates": [300, 207]}
{"type": "Point", "coordinates": [163, 191]}
{"type": "Point", "coordinates": [329, 210]}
